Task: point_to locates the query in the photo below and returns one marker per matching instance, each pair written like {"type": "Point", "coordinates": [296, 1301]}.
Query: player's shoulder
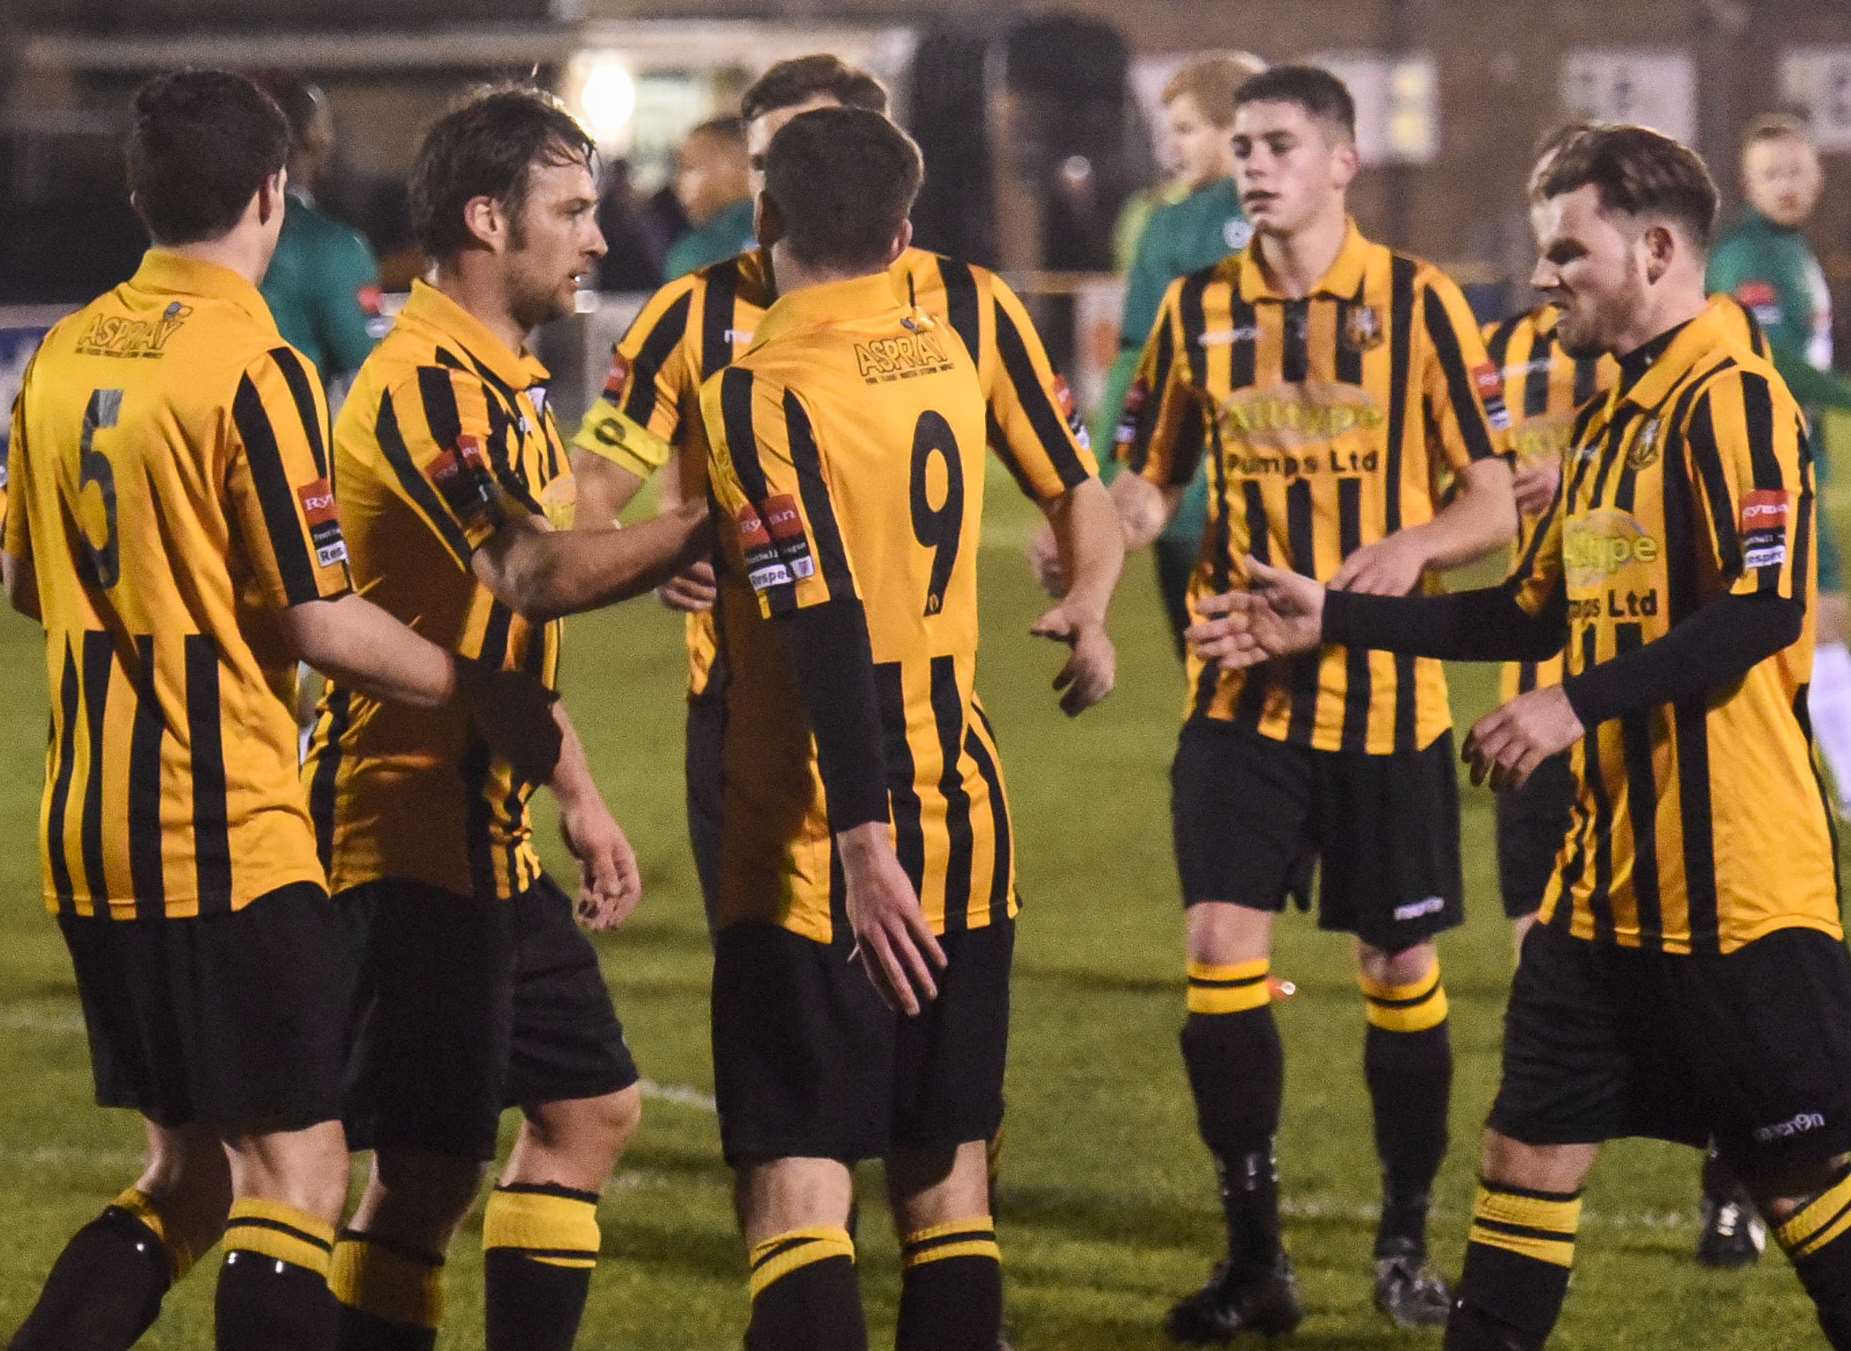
{"type": "Point", "coordinates": [747, 274]}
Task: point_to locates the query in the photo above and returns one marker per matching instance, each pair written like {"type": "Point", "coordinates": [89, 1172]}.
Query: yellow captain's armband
{"type": "Point", "coordinates": [625, 443]}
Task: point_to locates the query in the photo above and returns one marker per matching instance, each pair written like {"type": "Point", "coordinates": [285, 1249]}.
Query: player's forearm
{"type": "Point", "coordinates": [1144, 510]}
{"type": "Point", "coordinates": [1712, 649]}
{"type": "Point", "coordinates": [1482, 625]}
{"type": "Point", "coordinates": [544, 574]}
{"type": "Point", "coordinates": [571, 782]}
{"type": "Point", "coordinates": [355, 643]}
{"type": "Point", "coordinates": [604, 489]}
{"type": "Point", "coordinates": [1092, 546]}
{"type": "Point", "coordinates": [833, 662]}
{"type": "Point", "coordinates": [1480, 519]}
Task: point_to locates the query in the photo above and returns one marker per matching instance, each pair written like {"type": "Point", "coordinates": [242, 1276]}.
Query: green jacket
{"type": "Point", "coordinates": [323, 289]}
{"type": "Point", "coordinates": [1184, 237]}
{"type": "Point", "coordinates": [725, 236]}
{"type": "Point", "coordinates": [1774, 272]}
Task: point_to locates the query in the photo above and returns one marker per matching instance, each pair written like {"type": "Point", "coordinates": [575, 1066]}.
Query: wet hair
{"type": "Point", "coordinates": [843, 181]}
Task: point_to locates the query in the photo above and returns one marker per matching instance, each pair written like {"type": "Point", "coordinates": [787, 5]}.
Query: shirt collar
{"type": "Point", "coordinates": [833, 302]}
{"type": "Point", "coordinates": [1690, 342]}
{"type": "Point", "coordinates": [433, 309]}
{"type": "Point", "coordinates": [1343, 279]}
{"type": "Point", "coordinates": [177, 274]}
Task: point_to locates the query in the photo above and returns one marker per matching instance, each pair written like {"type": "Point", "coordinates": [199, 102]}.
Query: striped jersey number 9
{"type": "Point", "coordinates": [937, 528]}
{"type": "Point", "coordinates": [100, 414]}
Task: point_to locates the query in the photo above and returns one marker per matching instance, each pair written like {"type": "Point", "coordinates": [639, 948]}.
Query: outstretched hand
{"type": "Point", "coordinates": [1092, 667]}
{"type": "Point", "coordinates": [1280, 614]}
{"type": "Point", "coordinates": [1506, 746]}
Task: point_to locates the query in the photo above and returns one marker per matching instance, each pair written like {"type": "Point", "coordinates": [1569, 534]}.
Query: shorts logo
{"type": "Point", "coordinates": [1764, 527]}
{"type": "Point", "coordinates": [1432, 905]}
{"type": "Point", "coordinates": [324, 522]}
{"type": "Point", "coordinates": [1362, 328]}
{"type": "Point", "coordinates": [773, 543]}
{"type": "Point", "coordinates": [1227, 337]}
{"type": "Point", "coordinates": [1786, 1130]}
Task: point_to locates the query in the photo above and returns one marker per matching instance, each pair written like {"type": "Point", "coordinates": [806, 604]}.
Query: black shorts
{"type": "Point", "coordinates": [1252, 816]}
{"type": "Point", "coordinates": [468, 1006]}
{"type": "Point", "coordinates": [1752, 1049]}
{"type": "Point", "coordinates": [230, 1020]}
{"type": "Point", "coordinates": [1532, 821]}
{"type": "Point", "coordinates": [808, 1063]}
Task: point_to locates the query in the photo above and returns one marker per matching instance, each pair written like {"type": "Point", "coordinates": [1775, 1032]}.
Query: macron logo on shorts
{"type": "Point", "coordinates": [1415, 909]}
{"type": "Point", "coordinates": [1786, 1130]}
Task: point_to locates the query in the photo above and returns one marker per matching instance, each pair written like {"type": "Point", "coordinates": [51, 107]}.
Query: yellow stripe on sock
{"type": "Point", "coordinates": [939, 1243]}
{"type": "Point", "coordinates": [1232, 988]}
{"type": "Point", "coordinates": [561, 1231]}
{"type": "Point", "coordinates": [1819, 1222]}
{"type": "Point", "coordinates": [780, 1255]}
{"type": "Point", "coordinates": [138, 1203]}
{"type": "Point", "coordinates": [387, 1284]}
{"type": "Point", "coordinates": [1530, 1226]}
{"type": "Point", "coordinates": [1414, 1007]}
{"type": "Point", "coordinates": [270, 1229]}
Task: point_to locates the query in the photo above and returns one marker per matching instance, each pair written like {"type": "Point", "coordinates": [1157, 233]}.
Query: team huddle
{"type": "Point", "coordinates": [285, 956]}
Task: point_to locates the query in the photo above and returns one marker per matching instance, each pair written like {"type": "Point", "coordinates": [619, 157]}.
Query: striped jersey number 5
{"type": "Point", "coordinates": [100, 414]}
{"type": "Point", "coordinates": [937, 528]}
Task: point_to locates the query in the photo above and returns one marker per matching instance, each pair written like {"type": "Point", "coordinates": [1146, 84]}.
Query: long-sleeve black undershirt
{"type": "Point", "coordinates": [1715, 647]}
{"type": "Point", "coordinates": [833, 661]}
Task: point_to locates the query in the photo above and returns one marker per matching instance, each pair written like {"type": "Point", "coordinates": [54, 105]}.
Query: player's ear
{"type": "Point", "coordinates": [767, 223]}
{"type": "Point", "coordinates": [1660, 245]}
{"type": "Point", "coordinates": [1346, 161]}
{"type": "Point", "coordinates": [483, 218]}
{"type": "Point", "coordinates": [270, 196]}
{"type": "Point", "coordinates": [902, 241]}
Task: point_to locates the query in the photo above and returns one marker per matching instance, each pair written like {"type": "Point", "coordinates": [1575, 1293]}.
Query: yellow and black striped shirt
{"type": "Point", "coordinates": [848, 461]}
{"type": "Point", "coordinates": [169, 488]}
{"type": "Point", "coordinates": [698, 325]}
{"type": "Point", "coordinates": [445, 429]}
{"type": "Point", "coordinates": [1329, 422]}
{"type": "Point", "coordinates": [1700, 826]}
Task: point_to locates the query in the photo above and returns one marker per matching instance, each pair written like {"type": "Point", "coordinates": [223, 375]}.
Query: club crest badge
{"type": "Point", "coordinates": [1362, 328]}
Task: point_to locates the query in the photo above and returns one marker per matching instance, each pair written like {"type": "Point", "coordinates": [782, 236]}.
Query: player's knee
{"type": "Point", "coordinates": [419, 1198]}
{"type": "Point", "coordinates": [1549, 1168]}
{"type": "Point", "coordinates": [1403, 967]}
{"type": "Point", "coordinates": [1221, 933]}
{"type": "Point", "coordinates": [591, 1130]}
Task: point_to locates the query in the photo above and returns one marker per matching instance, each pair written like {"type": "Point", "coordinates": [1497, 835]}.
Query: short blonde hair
{"type": "Point", "coordinates": [1211, 82]}
{"type": "Point", "coordinates": [1775, 127]}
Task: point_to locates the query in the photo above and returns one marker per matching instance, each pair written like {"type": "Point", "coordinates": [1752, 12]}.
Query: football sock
{"type": "Point", "coordinates": [804, 1293]}
{"type": "Point", "coordinates": [1818, 1241]}
{"type": "Point", "coordinates": [951, 1288]}
{"type": "Point", "coordinates": [106, 1286]}
{"type": "Point", "coordinates": [1828, 706]}
{"type": "Point", "coordinates": [391, 1294]}
{"type": "Point", "coordinates": [1236, 1071]}
{"type": "Point", "coordinates": [1408, 1062]}
{"type": "Point", "coordinates": [273, 1288]}
{"type": "Point", "coordinates": [1517, 1260]}
{"type": "Point", "coordinates": [540, 1243]}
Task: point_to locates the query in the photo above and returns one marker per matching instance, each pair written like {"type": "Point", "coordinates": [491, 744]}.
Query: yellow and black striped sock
{"type": "Point", "coordinates": [804, 1293]}
{"type": "Point", "coordinates": [1517, 1261]}
{"type": "Point", "coordinates": [273, 1288]}
{"type": "Point", "coordinates": [106, 1287]}
{"type": "Point", "coordinates": [1817, 1239]}
{"type": "Point", "coordinates": [1236, 1068]}
{"type": "Point", "coordinates": [951, 1288]}
{"type": "Point", "coordinates": [540, 1243]}
{"type": "Point", "coordinates": [1408, 1063]}
{"type": "Point", "coordinates": [391, 1294]}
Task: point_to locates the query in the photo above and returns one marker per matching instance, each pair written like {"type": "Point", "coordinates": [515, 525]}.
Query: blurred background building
{"type": "Point", "coordinates": [1036, 119]}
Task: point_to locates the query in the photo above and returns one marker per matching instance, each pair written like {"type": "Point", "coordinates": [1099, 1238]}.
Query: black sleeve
{"type": "Point", "coordinates": [1713, 648]}
{"type": "Point", "coordinates": [834, 665]}
{"type": "Point", "coordinates": [1482, 625]}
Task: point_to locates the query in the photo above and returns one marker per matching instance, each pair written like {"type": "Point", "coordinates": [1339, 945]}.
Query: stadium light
{"type": "Point", "coordinates": [601, 91]}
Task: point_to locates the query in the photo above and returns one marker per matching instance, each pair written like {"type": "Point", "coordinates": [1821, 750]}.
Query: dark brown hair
{"type": "Point", "coordinates": [802, 78]}
{"type": "Point", "coordinates": [202, 144]}
{"type": "Point", "coordinates": [1640, 172]}
{"type": "Point", "coordinates": [1321, 94]}
{"type": "Point", "coordinates": [488, 145]}
{"type": "Point", "coordinates": [843, 181]}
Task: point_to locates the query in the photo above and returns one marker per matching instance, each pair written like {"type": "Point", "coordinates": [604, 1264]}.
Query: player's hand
{"type": "Point", "coordinates": [1535, 487]}
{"type": "Point", "coordinates": [514, 712]}
{"type": "Point", "coordinates": [893, 943]}
{"type": "Point", "coordinates": [1092, 669]}
{"type": "Point", "coordinates": [610, 882]}
{"type": "Point", "coordinates": [692, 590]}
{"type": "Point", "coordinates": [1506, 746]}
{"type": "Point", "coordinates": [1389, 567]}
{"type": "Point", "coordinates": [1044, 560]}
{"type": "Point", "coordinates": [1279, 615]}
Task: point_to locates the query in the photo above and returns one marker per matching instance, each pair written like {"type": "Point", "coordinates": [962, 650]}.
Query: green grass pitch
{"type": "Point", "coordinates": [1107, 1208]}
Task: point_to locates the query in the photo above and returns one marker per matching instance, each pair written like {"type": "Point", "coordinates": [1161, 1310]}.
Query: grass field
{"type": "Point", "coordinates": [1107, 1210]}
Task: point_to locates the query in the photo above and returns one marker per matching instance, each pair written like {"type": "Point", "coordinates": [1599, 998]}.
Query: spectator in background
{"type": "Point", "coordinates": [1764, 261]}
{"type": "Point", "coordinates": [323, 284]}
{"type": "Point", "coordinates": [710, 183]}
{"type": "Point", "coordinates": [637, 244]}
